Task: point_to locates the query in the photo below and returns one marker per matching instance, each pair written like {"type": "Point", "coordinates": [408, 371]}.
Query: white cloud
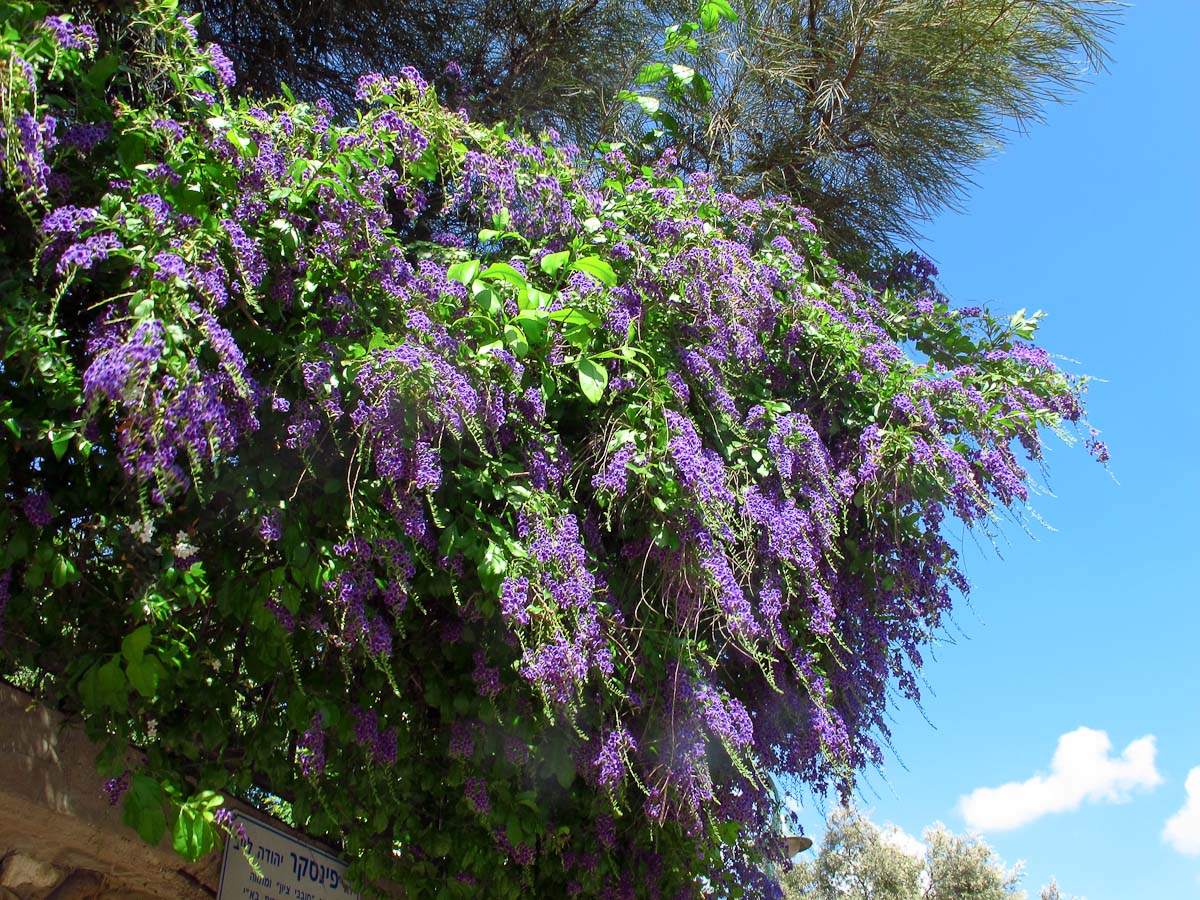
{"type": "Point", "coordinates": [1182, 830]}
{"type": "Point", "coordinates": [1081, 771]}
{"type": "Point", "coordinates": [897, 837]}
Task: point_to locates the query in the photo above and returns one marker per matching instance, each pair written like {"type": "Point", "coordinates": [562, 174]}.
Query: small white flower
{"type": "Point", "coordinates": [183, 549]}
{"type": "Point", "coordinates": [144, 530]}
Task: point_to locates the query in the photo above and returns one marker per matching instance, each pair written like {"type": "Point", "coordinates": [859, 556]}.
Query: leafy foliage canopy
{"type": "Point", "coordinates": [510, 560]}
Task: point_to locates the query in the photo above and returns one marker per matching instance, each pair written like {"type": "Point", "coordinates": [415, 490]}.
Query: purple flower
{"type": "Point", "coordinates": [282, 615]}
{"type": "Point", "coordinates": [610, 759]}
{"type": "Point", "coordinates": [270, 527]}
{"type": "Point", "coordinates": [30, 78]}
{"type": "Point", "coordinates": [160, 211]}
{"type": "Point", "coordinates": [87, 136]}
{"type": "Point", "coordinates": [1097, 448]}
{"type": "Point", "coordinates": [701, 470]}
{"type": "Point", "coordinates": [36, 507]}
{"type": "Point", "coordinates": [70, 36]}
{"type": "Point", "coordinates": [514, 600]}
{"type": "Point", "coordinates": [413, 77]}
{"type": "Point", "coordinates": [69, 220]}
{"type": "Point", "coordinates": [170, 126]}
{"type": "Point", "coordinates": [379, 637]}
{"type": "Point", "coordinates": [222, 65]}
{"type": "Point", "coordinates": [476, 793]}
{"type": "Point", "coordinates": [250, 259]}
{"type": "Point", "coordinates": [5, 583]}
{"type": "Point", "coordinates": [486, 678]}
{"type": "Point", "coordinates": [224, 819]}
{"type": "Point", "coordinates": [115, 788]}
{"type": "Point", "coordinates": [379, 742]}
{"type": "Point", "coordinates": [615, 475]}
{"type": "Point", "coordinates": [87, 253]}
{"type": "Point", "coordinates": [462, 740]}
{"type": "Point", "coordinates": [679, 386]}
{"type": "Point", "coordinates": [35, 139]}
{"type": "Point", "coordinates": [170, 266]}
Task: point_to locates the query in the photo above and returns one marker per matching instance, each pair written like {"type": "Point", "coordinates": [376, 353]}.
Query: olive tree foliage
{"type": "Point", "coordinates": [858, 860]}
{"type": "Point", "coordinates": [1051, 892]}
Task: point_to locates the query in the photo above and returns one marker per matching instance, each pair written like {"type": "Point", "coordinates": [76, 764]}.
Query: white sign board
{"type": "Point", "coordinates": [287, 867]}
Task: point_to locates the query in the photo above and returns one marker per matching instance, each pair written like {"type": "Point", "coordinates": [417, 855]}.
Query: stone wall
{"type": "Point", "coordinates": [59, 837]}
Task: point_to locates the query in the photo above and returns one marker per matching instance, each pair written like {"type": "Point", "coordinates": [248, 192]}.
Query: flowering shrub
{"type": "Point", "coordinates": [518, 558]}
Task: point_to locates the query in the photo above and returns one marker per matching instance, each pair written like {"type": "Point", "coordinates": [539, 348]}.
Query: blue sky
{"type": "Point", "coordinates": [1093, 217]}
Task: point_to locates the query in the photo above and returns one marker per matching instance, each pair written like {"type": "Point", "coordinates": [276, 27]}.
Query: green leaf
{"type": "Point", "coordinates": [492, 567]}
{"type": "Point", "coordinates": [514, 829]}
{"type": "Point", "coordinates": [486, 299]}
{"type": "Point", "coordinates": [534, 326]}
{"type": "Point", "coordinates": [102, 70]}
{"type": "Point", "coordinates": [649, 104]}
{"type": "Point", "coordinates": [144, 809]}
{"type": "Point", "coordinates": [135, 643]}
{"type": "Point", "coordinates": [131, 150]}
{"type": "Point", "coordinates": [713, 11]}
{"type": "Point", "coordinates": [463, 272]}
{"type": "Point", "coordinates": [144, 675]}
{"type": "Point", "coordinates": [702, 88]}
{"type": "Point", "coordinates": [194, 835]}
{"type": "Point", "coordinates": [504, 272]}
{"type": "Point", "coordinates": [684, 74]}
{"type": "Point", "coordinates": [208, 800]}
{"type": "Point", "coordinates": [552, 262]}
{"type": "Point", "coordinates": [426, 167]}
{"type": "Point", "coordinates": [536, 300]}
{"type": "Point", "coordinates": [64, 572]}
{"type": "Point", "coordinates": [515, 338]}
{"type": "Point", "coordinates": [573, 316]}
{"type": "Point", "coordinates": [725, 8]}
{"type": "Point", "coordinates": [111, 686]}
{"type": "Point", "coordinates": [564, 770]}
{"type": "Point", "coordinates": [598, 268]}
{"type": "Point", "coordinates": [380, 339]}
{"type": "Point", "coordinates": [652, 72]}
{"type": "Point", "coordinates": [239, 140]}
{"type": "Point", "coordinates": [59, 442]}
{"type": "Point", "coordinates": [593, 379]}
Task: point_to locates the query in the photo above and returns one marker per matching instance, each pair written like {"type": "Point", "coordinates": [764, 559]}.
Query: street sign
{"type": "Point", "coordinates": [287, 867]}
